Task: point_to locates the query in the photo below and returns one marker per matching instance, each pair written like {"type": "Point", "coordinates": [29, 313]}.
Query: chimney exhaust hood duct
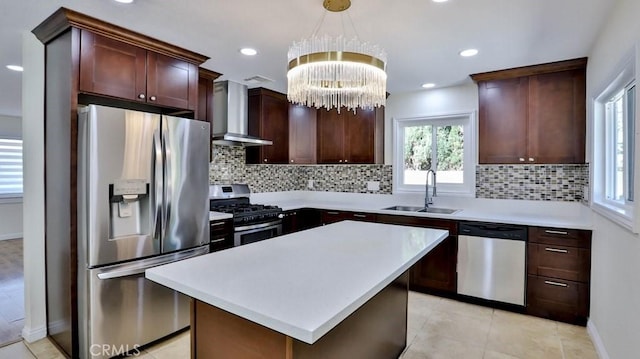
{"type": "Point", "coordinates": [230, 116]}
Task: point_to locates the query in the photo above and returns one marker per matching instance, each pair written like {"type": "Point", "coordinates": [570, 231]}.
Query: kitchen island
{"type": "Point", "coordinates": [337, 291]}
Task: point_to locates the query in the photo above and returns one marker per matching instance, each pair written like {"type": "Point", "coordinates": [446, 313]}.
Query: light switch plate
{"type": "Point", "coordinates": [373, 185]}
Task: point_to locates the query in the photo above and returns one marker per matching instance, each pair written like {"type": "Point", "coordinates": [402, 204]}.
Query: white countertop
{"type": "Point", "coordinates": [533, 213]}
{"type": "Point", "coordinates": [217, 216]}
{"type": "Point", "coordinates": [302, 284]}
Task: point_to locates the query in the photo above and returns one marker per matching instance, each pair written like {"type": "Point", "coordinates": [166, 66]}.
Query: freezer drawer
{"type": "Point", "coordinates": [122, 310]}
{"type": "Point", "coordinates": [492, 268]}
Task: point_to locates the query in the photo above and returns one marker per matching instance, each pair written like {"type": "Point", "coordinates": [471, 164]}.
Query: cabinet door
{"type": "Point", "coordinates": [274, 126]}
{"type": "Point", "coordinates": [557, 117]}
{"type": "Point", "coordinates": [503, 121]}
{"type": "Point", "coordinates": [331, 140]}
{"type": "Point", "coordinates": [359, 136]}
{"type": "Point", "coordinates": [205, 101]}
{"type": "Point", "coordinates": [437, 270]}
{"type": "Point", "coordinates": [302, 134]}
{"type": "Point", "coordinates": [112, 68]}
{"type": "Point", "coordinates": [171, 82]}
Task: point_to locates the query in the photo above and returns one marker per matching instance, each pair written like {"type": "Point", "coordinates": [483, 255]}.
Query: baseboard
{"type": "Point", "coordinates": [597, 341]}
{"type": "Point", "coordinates": [10, 236]}
{"type": "Point", "coordinates": [31, 335]}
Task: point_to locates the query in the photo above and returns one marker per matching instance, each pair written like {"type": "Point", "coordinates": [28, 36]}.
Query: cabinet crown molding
{"type": "Point", "coordinates": [566, 65]}
{"type": "Point", "coordinates": [64, 18]}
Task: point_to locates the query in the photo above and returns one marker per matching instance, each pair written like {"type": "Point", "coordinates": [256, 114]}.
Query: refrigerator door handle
{"type": "Point", "coordinates": [140, 266]}
{"type": "Point", "coordinates": [158, 185]}
{"type": "Point", "coordinates": [168, 187]}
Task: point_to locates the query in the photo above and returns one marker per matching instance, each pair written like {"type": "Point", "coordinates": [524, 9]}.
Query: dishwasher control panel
{"type": "Point", "coordinates": [493, 230]}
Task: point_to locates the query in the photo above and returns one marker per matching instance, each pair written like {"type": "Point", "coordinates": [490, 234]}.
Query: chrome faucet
{"type": "Point", "coordinates": [429, 200]}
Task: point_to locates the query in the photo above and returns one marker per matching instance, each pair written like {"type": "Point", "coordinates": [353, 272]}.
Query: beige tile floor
{"type": "Point", "coordinates": [437, 328]}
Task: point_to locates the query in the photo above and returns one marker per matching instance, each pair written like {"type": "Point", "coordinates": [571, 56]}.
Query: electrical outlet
{"type": "Point", "coordinates": [373, 185]}
{"type": "Point", "coordinates": [585, 193]}
{"type": "Point", "coordinates": [310, 184]}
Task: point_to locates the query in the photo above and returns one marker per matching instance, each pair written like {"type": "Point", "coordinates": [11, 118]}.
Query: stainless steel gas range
{"type": "Point", "coordinates": [251, 222]}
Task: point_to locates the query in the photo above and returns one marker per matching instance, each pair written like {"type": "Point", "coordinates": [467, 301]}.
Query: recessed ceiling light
{"type": "Point", "coordinates": [15, 68]}
{"type": "Point", "coordinates": [440, 0]}
{"type": "Point", "coordinates": [124, 1]}
{"type": "Point", "coordinates": [468, 52]}
{"type": "Point", "coordinates": [429, 85]}
{"type": "Point", "coordinates": [248, 51]}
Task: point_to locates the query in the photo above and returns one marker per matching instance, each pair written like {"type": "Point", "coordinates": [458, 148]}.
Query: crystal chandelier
{"type": "Point", "coordinates": [336, 72]}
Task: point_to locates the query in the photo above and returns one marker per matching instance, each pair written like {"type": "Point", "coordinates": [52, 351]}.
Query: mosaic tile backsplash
{"type": "Point", "coordinates": [228, 166]}
{"type": "Point", "coordinates": [526, 182]}
{"type": "Point", "coordinates": [532, 182]}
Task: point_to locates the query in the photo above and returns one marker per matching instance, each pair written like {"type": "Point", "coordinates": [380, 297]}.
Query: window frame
{"type": "Point", "coordinates": [470, 153]}
{"type": "Point", "coordinates": [623, 212]}
{"type": "Point", "coordinates": [14, 197]}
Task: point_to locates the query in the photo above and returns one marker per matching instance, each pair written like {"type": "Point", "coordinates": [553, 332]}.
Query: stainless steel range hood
{"type": "Point", "coordinates": [230, 116]}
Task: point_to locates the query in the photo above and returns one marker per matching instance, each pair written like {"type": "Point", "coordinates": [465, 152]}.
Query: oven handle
{"type": "Point", "coordinates": [256, 226]}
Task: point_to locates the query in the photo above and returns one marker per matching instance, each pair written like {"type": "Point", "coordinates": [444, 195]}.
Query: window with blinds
{"type": "Point", "coordinates": [10, 168]}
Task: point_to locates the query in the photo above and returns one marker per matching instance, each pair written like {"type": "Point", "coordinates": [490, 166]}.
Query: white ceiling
{"type": "Point", "coordinates": [422, 38]}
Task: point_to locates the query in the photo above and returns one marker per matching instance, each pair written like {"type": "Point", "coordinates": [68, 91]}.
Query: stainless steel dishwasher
{"type": "Point", "coordinates": [491, 261]}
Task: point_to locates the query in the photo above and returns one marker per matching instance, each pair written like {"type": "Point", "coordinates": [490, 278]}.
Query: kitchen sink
{"type": "Point", "coordinates": [438, 210]}
{"type": "Point", "coordinates": [423, 209]}
{"type": "Point", "coordinates": [405, 208]}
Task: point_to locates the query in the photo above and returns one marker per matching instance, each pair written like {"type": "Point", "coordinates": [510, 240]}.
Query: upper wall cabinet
{"type": "Point", "coordinates": [302, 134]}
{"type": "Point", "coordinates": [205, 95]}
{"type": "Point", "coordinates": [268, 119]}
{"type": "Point", "coordinates": [113, 68]}
{"type": "Point", "coordinates": [533, 114]}
{"type": "Point", "coordinates": [348, 138]}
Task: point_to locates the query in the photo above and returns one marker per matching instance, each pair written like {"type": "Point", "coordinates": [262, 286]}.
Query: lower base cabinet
{"type": "Point", "coordinates": [558, 299]}
{"type": "Point", "coordinates": [300, 219]}
{"type": "Point", "coordinates": [436, 272]}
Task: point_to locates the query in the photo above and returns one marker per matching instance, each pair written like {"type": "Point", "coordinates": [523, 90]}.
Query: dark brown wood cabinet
{"type": "Point", "coordinates": [558, 274]}
{"type": "Point", "coordinates": [301, 219]}
{"type": "Point", "coordinates": [268, 119]}
{"type": "Point", "coordinates": [220, 234]}
{"type": "Point", "coordinates": [302, 134]}
{"type": "Point", "coordinates": [205, 95]}
{"type": "Point", "coordinates": [113, 68]}
{"type": "Point", "coordinates": [348, 138]}
{"type": "Point", "coordinates": [332, 216]}
{"type": "Point", "coordinates": [435, 272]}
{"type": "Point", "coordinates": [534, 114]}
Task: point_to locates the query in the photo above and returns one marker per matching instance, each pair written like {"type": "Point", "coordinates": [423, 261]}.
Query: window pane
{"type": "Point", "coordinates": [417, 153]}
{"type": "Point", "coordinates": [631, 130]}
{"type": "Point", "coordinates": [619, 155]}
{"type": "Point", "coordinates": [10, 167]}
{"type": "Point", "coordinates": [450, 145]}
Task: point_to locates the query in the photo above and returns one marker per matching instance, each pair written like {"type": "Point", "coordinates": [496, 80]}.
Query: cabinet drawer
{"type": "Point", "coordinates": [332, 216]}
{"type": "Point", "coordinates": [366, 217]}
{"type": "Point", "coordinates": [220, 228]}
{"type": "Point", "coordinates": [558, 299]}
{"type": "Point", "coordinates": [560, 237]}
{"type": "Point", "coordinates": [569, 263]}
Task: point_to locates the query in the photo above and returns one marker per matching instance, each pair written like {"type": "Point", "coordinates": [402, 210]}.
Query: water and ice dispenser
{"type": "Point", "coordinates": [130, 208]}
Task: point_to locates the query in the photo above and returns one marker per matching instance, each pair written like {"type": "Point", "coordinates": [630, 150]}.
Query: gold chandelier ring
{"type": "Point", "coordinates": [336, 56]}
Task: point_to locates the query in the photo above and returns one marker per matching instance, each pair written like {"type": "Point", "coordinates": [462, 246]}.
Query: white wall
{"type": "Point", "coordinates": [35, 325]}
{"type": "Point", "coordinates": [10, 210]}
{"type": "Point", "coordinates": [423, 103]}
{"type": "Point", "coordinates": [615, 268]}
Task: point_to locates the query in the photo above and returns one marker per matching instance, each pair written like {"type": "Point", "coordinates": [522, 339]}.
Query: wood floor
{"type": "Point", "coordinates": [11, 291]}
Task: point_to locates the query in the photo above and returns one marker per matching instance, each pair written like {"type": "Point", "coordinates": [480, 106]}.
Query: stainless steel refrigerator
{"type": "Point", "coordinates": [142, 201]}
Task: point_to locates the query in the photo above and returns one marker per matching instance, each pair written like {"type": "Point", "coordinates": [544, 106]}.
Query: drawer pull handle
{"type": "Point", "coordinates": [556, 232]}
{"type": "Point", "coordinates": [218, 240]}
{"type": "Point", "coordinates": [334, 213]}
{"type": "Point", "coordinates": [360, 216]}
{"type": "Point", "coordinates": [216, 224]}
{"type": "Point", "coordinates": [556, 250]}
{"type": "Point", "coordinates": [557, 284]}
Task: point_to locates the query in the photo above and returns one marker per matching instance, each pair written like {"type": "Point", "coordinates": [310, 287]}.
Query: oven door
{"type": "Point", "coordinates": [256, 232]}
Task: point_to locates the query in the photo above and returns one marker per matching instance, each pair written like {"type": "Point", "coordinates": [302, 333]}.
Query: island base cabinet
{"type": "Point", "coordinates": [377, 330]}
